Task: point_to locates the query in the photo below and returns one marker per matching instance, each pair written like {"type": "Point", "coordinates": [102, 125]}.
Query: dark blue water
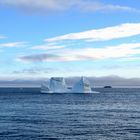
{"type": "Point", "coordinates": [114, 114]}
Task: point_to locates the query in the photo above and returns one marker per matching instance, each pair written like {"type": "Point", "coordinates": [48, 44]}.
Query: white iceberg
{"type": "Point", "coordinates": [82, 86]}
{"type": "Point", "coordinates": [58, 85]}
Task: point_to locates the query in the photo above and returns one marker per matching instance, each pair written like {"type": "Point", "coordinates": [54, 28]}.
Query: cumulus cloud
{"type": "Point", "coordinates": [108, 33]}
{"type": "Point", "coordinates": [13, 44]}
{"type": "Point", "coordinates": [110, 52]}
{"type": "Point", "coordinates": [62, 5]}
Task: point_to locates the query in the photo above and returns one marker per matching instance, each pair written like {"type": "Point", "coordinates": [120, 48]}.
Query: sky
{"type": "Point", "coordinates": [48, 38]}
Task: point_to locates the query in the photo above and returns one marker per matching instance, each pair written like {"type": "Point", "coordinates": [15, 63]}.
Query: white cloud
{"type": "Point", "coordinates": [128, 59]}
{"type": "Point", "coordinates": [48, 47]}
{"type": "Point", "coordinates": [36, 4]}
{"type": "Point", "coordinates": [116, 52]}
{"type": "Point", "coordinates": [62, 5]}
{"type": "Point", "coordinates": [108, 33]}
{"type": "Point", "coordinates": [110, 52]}
{"type": "Point", "coordinates": [13, 44]}
{"type": "Point", "coordinates": [2, 37]}
{"type": "Point", "coordinates": [98, 6]}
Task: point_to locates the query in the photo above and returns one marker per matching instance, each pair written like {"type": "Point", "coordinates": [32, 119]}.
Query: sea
{"type": "Point", "coordinates": [112, 114]}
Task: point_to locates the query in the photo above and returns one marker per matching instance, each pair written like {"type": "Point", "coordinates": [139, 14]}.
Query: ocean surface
{"type": "Point", "coordinates": [112, 114]}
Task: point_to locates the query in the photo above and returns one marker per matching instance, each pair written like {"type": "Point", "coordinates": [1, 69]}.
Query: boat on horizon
{"type": "Point", "coordinates": [107, 86]}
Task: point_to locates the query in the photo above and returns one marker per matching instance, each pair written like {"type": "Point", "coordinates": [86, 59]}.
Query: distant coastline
{"type": "Point", "coordinates": [95, 82]}
{"type": "Point", "coordinates": [38, 86]}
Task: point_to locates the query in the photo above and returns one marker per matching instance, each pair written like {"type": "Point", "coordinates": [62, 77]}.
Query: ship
{"type": "Point", "coordinates": [107, 86]}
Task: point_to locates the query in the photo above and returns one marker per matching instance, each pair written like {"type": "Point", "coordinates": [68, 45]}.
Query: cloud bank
{"type": "Point", "coordinates": [64, 52]}
{"type": "Point", "coordinates": [110, 52]}
{"type": "Point", "coordinates": [39, 58]}
{"type": "Point", "coordinates": [63, 5]}
{"type": "Point", "coordinates": [105, 34]}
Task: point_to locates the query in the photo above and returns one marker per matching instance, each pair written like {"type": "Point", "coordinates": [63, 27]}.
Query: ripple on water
{"type": "Point", "coordinates": [110, 115]}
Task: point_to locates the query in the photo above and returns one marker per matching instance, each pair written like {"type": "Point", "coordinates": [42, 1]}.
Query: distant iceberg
{"type": "Point", "coordinates": [58, 85]}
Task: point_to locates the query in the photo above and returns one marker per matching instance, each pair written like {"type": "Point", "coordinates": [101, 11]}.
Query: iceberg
{"type": "Point", "coordinates": [82, 86]}
{"type": "Point", "coordinates": [58, 85]}
{"type": "Point", "coordinates": [45, 88]}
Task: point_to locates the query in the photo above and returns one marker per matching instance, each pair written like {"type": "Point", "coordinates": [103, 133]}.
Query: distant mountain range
{"type": "Point", "coordinates": [113, 81]}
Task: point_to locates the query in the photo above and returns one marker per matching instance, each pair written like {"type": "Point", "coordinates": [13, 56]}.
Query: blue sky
{"type": "Point", "coordinates": [69, 38]}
